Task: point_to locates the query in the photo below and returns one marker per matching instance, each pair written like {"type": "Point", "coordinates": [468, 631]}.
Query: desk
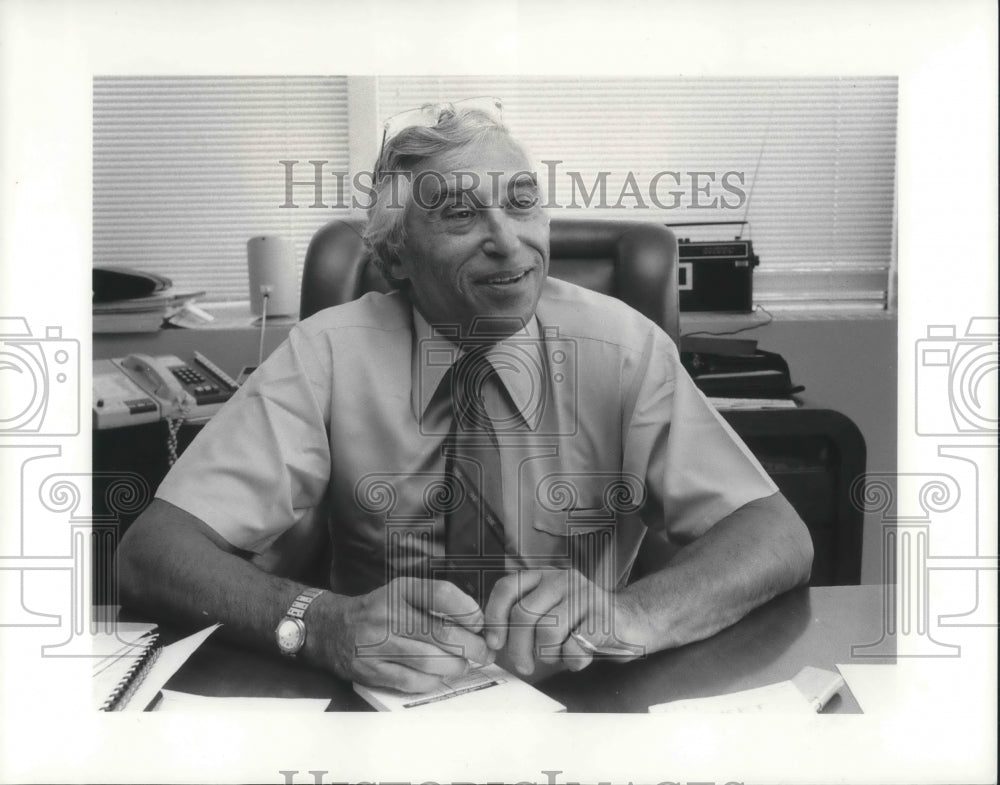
{"type": "Point", "coordinates": [807, 626]}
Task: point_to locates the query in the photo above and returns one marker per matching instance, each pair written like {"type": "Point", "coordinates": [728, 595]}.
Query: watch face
{"type": "Point", "coordinates": [290, 635]}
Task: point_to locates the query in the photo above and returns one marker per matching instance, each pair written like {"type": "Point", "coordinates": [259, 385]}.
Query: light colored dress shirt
{"type": "Point", "coordinates": [338, 437]}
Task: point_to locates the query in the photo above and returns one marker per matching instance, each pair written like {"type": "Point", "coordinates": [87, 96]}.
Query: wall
{"type": "Point", "coordinates": [847, 364]}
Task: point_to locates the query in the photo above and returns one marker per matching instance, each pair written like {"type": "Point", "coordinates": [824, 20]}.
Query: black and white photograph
{"type": "Point", "coordinates": [563, 392]}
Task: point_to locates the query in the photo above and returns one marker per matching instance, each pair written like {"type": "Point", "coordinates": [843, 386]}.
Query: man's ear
{"type": "Point", "coordinates": [397, 270]}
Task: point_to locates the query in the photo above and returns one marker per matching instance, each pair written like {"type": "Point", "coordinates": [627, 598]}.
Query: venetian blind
{"type": "Point", "coordinates": [814, 156]}
{"type": "Point", "coordinates": [186, 170]}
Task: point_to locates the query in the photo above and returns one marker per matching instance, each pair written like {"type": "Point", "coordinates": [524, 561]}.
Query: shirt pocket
{"type": "Point", "coordinates": [573, 520]}
{"type": "Point", "coordinates": [581, 516]}
{"type": "Point", "coordinates": [572, 502]}
{"type": "Point", "coordinates": [584, 538]}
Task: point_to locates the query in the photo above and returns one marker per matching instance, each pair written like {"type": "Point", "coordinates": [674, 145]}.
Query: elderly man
{"type": "Point", "coordinates": [485, 449]}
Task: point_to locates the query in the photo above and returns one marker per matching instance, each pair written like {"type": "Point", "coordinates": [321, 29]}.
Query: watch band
{"type": "Point", "coordinates": [298, 607]}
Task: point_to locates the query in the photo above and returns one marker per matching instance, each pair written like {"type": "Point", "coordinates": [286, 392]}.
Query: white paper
{"type": "Point", "coordinates": [205, 704]}
{"type": "Point", "coordinates": [729, 404]}
{"type": "Point", "coordinates": [486, 689]}
{"type": "Point", "coordinates": [171, 659]}
{"type": "Point", "coordinates": [874, 686]}
{"type": "Point", "coordinates": [780, 698]}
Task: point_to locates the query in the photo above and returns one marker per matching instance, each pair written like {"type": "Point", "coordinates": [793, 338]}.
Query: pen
{"type": "Point", "coordinates": [611, 651]}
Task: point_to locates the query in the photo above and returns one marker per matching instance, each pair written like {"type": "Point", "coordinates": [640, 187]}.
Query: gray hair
{"type": "Point", "coordinates": [385, 233]}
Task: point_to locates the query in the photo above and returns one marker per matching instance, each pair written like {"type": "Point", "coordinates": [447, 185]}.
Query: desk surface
{"type": "Point", "coordinates": [807, 626]}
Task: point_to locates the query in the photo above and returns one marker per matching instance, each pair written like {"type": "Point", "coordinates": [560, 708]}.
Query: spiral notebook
{"type": "Point", "coordinates": [124, 659]}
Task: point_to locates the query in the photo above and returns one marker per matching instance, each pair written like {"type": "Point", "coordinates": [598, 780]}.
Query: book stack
{"type": "Point", "coordinates": [131, 301]}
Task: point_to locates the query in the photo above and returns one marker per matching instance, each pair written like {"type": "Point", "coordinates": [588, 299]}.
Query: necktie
{"type": "Point", "coordinates": [475, 545]}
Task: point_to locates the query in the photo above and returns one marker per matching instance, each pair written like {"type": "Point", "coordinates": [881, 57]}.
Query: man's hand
{"type": "Point", "coordinates": [405, 635]}
{"type": "Point", "coordinates": [559, 616]}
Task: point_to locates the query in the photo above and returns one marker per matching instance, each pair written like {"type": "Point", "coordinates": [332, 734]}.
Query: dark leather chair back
{"type": "Point", "coordinates": [631, 260]}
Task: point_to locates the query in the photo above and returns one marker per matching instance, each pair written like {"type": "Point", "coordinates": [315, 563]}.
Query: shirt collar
{"type": "Point", "coordinates": [433, 355]}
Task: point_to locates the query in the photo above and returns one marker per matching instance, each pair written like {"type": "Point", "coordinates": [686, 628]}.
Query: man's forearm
{"type": "Point", "coordinates": [752, 555]}
{"type": "Point", "coordinates": [173, 566]}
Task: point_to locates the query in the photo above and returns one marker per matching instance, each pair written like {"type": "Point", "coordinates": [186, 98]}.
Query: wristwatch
{"type": "Point", "coordinates": [290, 633]}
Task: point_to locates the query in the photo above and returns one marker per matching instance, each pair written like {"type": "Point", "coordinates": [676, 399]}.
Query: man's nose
{"type": "Point", "coordinates": [502, 238]}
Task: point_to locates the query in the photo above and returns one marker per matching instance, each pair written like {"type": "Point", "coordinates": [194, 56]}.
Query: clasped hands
{"type": "Point", "coordinates": [412, 632]}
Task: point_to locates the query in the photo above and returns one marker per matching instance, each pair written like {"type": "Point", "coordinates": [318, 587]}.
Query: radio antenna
{"type": "Point", "coordinates": [753, 182]}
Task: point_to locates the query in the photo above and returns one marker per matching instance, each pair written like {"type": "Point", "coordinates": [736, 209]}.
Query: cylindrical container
{"type": "Point", "coordinates": [271, 264]}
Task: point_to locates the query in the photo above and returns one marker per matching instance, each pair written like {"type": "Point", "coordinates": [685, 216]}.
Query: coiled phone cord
{"type": "Point", "coordinates": [173, 427]}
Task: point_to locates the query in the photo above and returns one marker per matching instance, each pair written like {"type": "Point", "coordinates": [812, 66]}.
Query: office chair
{"type": "Point", "coordinates": [633, 261]}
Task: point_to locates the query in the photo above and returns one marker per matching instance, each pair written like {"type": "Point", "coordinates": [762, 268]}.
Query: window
{"type": "Point", "coordinates": [809, 162]}
{"type": "Point", "coordinates": [186, 170]}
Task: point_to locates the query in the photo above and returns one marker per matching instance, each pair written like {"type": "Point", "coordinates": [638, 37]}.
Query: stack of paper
{"type": "Point", "coordinates": [733, 404]}
{"type": "Point", "coordinates": [141, 314]}
{"type": "Point", "coordinates": [490, 688]}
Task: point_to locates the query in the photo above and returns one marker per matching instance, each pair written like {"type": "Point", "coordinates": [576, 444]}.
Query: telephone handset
{"type": "Point", "coordinates": [140, 389]}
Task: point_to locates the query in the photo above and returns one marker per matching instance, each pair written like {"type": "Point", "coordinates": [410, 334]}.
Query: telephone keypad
{"type": "Point", "coordinates": [203, 390]}
{"type": "Point", "coordinates": [187, 374]}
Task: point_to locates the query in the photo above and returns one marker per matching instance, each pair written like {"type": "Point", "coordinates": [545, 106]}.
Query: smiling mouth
{"type": "Point", "coordinates": [505, 279]}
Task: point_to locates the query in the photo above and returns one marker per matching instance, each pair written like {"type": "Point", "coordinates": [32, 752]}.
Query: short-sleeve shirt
{"type": "Point", "coordinates": [339, 429]}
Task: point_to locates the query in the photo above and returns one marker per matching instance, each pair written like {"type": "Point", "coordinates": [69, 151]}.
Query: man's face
{"type": "Point", "coordinates": [477, 244]}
